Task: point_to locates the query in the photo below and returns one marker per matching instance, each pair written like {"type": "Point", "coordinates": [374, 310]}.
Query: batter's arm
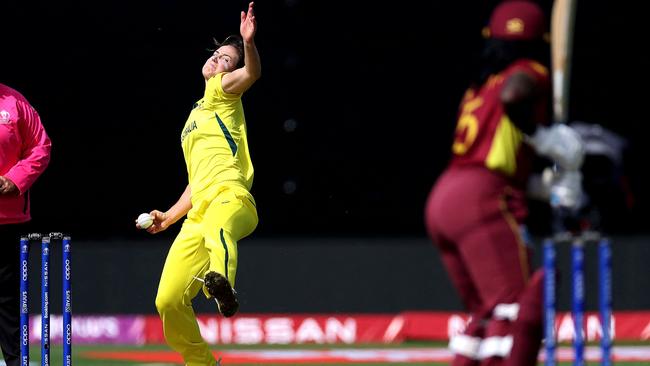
{"type": "Point", "coordinates": [518, 96]}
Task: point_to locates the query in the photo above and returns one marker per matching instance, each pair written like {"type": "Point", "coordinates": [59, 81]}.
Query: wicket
{"type": "Point", "coordinates": [45, 298]}
{"type": "Point", "coordinates": [578, 295]}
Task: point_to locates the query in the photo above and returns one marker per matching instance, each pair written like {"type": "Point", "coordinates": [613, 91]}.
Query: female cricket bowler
{"type": "Point", "coordinates": [476, 211]}
{"type": "Point", "coordinates": [220, 210]}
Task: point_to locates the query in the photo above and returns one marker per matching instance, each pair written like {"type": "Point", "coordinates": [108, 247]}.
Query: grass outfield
{"type": "Point", "coordinates": [79, 352]}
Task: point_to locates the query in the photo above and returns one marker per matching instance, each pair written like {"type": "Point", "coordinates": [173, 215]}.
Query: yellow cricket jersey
{"type": "Point", "coordinates": [214, 143]}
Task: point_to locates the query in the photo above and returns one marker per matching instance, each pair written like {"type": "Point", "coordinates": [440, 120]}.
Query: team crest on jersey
{"type": "Point", "coordinates": [4, 117]}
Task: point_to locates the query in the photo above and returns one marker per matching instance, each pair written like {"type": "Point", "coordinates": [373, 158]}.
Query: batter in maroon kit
{"type": "Point", "coordinates": [476, 211]}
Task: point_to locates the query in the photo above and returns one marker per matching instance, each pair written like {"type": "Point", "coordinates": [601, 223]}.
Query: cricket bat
{"type": "Point", "coordinates": [562, 24]}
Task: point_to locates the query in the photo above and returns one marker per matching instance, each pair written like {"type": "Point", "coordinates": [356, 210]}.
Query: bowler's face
{"type": "Point", "coordinates": [224, 59]}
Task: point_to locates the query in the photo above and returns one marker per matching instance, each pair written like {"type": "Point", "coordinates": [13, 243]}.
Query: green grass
{"type": "Point", "coordinates": [56, 354]}
{"type": "Point", "coordinates": [78, 350]}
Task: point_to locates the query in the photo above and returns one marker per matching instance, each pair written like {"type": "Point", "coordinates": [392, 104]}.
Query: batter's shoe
{"type": "Point", "coordinates": [219, 287]}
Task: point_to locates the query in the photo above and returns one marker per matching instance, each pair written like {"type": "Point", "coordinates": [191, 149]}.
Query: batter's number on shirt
{"type": "Point", "coordinates": [467, 127]}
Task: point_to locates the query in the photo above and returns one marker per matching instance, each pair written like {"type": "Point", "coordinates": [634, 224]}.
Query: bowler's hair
{"type": "Point", "coordinates": [235, 41]}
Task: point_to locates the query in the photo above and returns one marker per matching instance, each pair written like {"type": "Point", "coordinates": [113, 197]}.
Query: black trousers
{"type": "Point", "coordinates": [10, 291]}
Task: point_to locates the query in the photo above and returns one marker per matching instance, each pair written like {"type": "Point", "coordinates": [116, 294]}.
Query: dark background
{"type": "Point", "coordinates": [349, 125]}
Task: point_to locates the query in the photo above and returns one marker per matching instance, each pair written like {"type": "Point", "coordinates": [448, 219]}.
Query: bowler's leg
{"type": "Point", "coordinates": [187, 258]}
{"type": "Point", "coordinates": [228, 218]}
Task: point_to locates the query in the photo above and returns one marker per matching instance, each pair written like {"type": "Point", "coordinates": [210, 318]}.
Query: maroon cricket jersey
{"type": "Point", "coordinates": [486, 137]}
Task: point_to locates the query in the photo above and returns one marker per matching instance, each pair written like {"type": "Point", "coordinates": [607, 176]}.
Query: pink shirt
{"type": "Point", "coordinates": [24, 152]}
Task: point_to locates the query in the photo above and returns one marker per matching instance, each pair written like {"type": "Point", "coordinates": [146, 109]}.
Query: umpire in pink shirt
{"type": "Point", "coordinates": [24, 155]}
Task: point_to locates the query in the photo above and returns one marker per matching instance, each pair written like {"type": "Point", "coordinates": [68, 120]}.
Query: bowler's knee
{"type": "Point", "coordinates": [167, 302]}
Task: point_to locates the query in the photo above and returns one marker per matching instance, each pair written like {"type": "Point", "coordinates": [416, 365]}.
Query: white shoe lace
{"type": "Point", "coordinates": [215, 300]}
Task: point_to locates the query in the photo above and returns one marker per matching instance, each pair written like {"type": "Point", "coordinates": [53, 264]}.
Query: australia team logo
{"type": "Point", "coordinates": [4, 117]}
